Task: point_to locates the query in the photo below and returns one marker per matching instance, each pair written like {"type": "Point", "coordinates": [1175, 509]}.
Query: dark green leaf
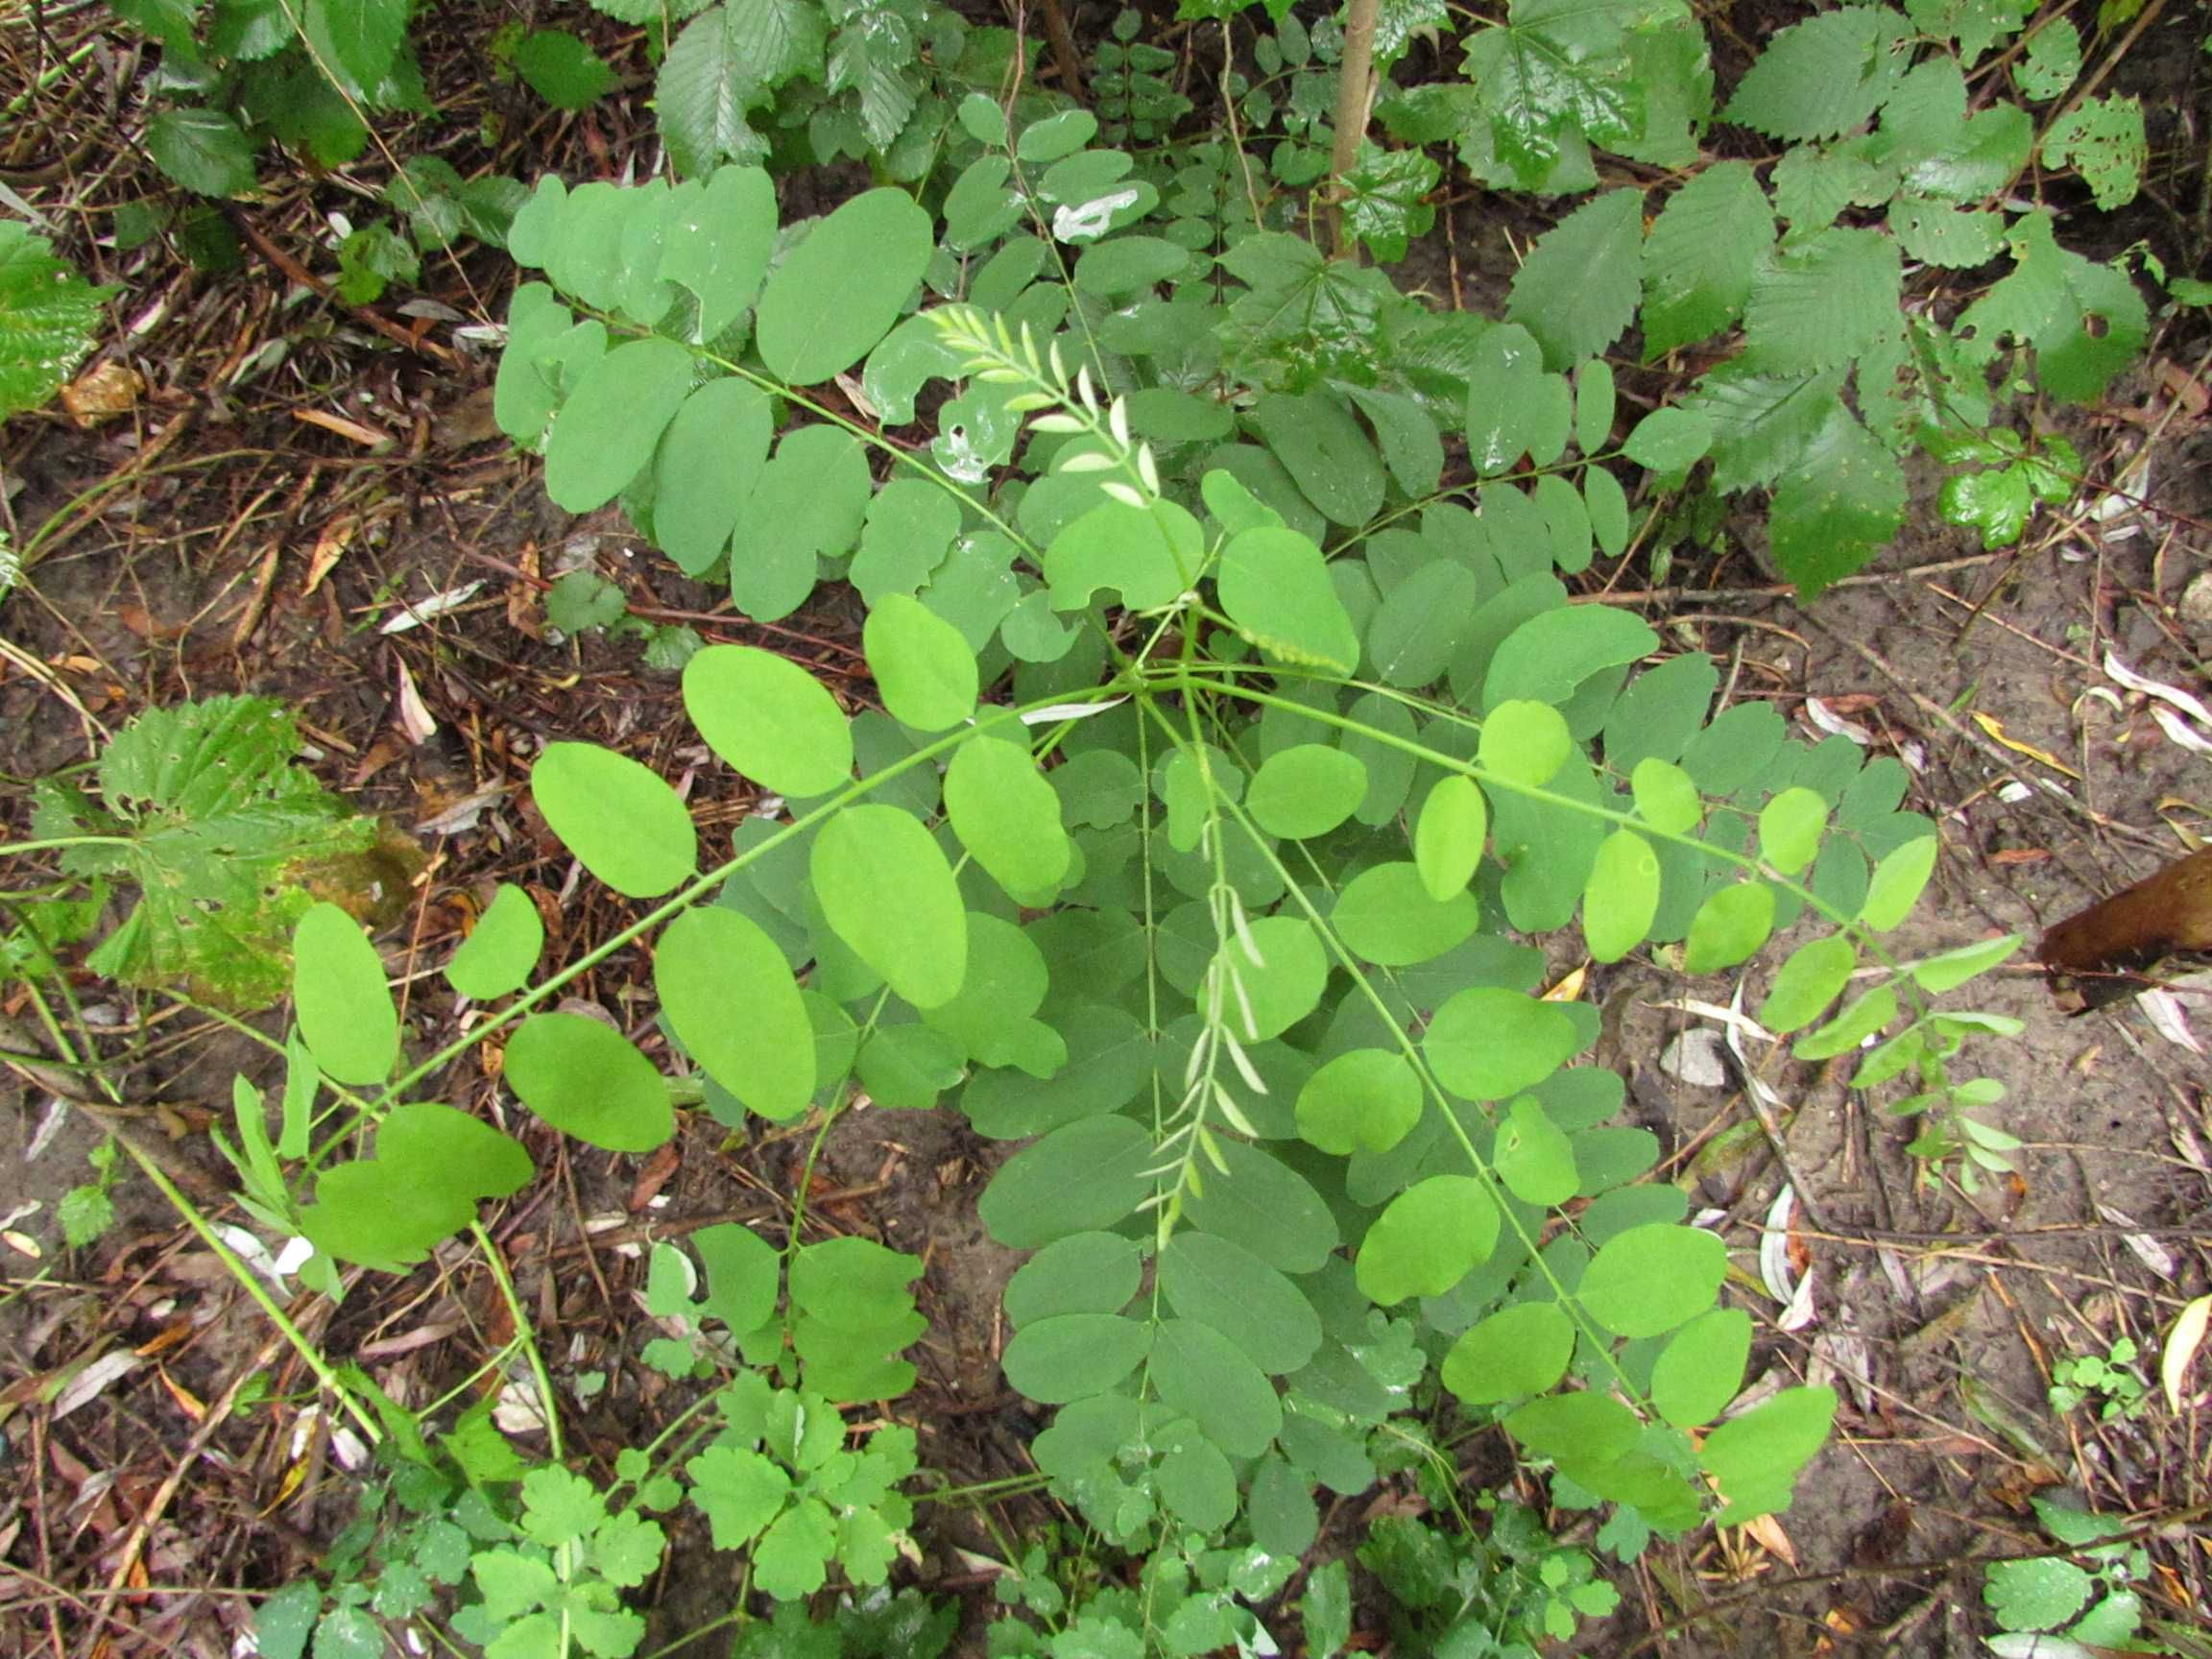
{"type": "Point", "coordinates": [841, 289]}
{"type": "Point", "coordinates": [1577, 289]}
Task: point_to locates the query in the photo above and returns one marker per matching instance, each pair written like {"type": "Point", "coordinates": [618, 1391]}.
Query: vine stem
{"type": "Point", "coordinates": [525, 1333]}
{"type": "Point", "coordinates": [250, 1283]}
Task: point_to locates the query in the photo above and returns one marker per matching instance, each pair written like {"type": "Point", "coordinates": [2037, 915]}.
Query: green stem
{"type": "Point", "coordinates": [524, 1333]}
{"type": "Point", "coordinates": [251, 1282]}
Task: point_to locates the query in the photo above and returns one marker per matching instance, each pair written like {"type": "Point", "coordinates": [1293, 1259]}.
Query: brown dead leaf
{"type": "Point", "coordinates": [100, 395]}
{"type": "Point", "coordinates": [366, 436]}
{"type": "Point", "coordinates": [524, 613]}
{"type": "Point", "coordinates": [140, 622]}
{"type": "Point", "coordinates": [1767, 1530]}
{"type": "Point", "coordinates": [654, 1176]}
{"type": "Point", "coordinates": [330, 547]}
{"type": "Point", "coordinates": [2020, 856]}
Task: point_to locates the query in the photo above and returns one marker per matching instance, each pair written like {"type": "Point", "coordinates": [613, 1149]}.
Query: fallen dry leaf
{"type": "Point", "coordinates": [100, 395]}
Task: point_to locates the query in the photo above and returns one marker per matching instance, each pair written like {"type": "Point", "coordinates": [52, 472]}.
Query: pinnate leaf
{"type": "Point", "coordinates": [344, 1009]}
{"type": "Point", "coordinates": [1729, 926]}
{"type": "Point", "coordinates": [840, 290]}
{"type": "Point", "coordinates": [1699, 1370]}
{"type": "Point", "coordinates": [1518, 1351]}
{"type": "Point", "coordinates": [1275, 588]}
{"type": "Point", "coordinates": [1622, 897]}
{"type": "Point", "coordinates": [884, 887]}
{"type": "Point", "coordinates": [1427, 1239]}
{"type": "Point", "coordinates": [1813, 977]}
{"type": "Point", "coordinates": [1649, 1279]}
{"type": "Point", "coordinates": [625, 825]}
{"type": "Point", "coordinates": [1305, 791]}
{"type": "Point", "coordinates": [768, 718]}
{"type": "Point", "coordinates": [729, 995]}
{"type": "Point", "coordinates": [501, 949]}
{"type": "Point", "coordinates": [1009, 816]}
{"type": "Point", "coordinates": [606, 433]}
{"type": "Point", "coordinates": [1488, 1043]}
{"type": "Point", "coordinates": [922, 665]}
{"type": "Point", "coordinates": [1365, 1100]}
{"type": "Point", "coordinates": [589, 1080]}
{"type": "Point", "coordinates": [1450, 836]}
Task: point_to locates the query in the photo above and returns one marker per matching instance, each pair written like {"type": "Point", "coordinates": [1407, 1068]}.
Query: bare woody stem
{"type": "Point", "coordinates": [1355, 94]}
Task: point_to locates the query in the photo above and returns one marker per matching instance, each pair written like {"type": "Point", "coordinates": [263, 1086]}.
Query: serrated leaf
{"type": "Point", "coordinates": [1702, 256]}
{"type": "Point", "coordinates": [1542, 87]}
{"type": "Point", "coordinates": [204, 150]}
{"type": "Point", "coordinates": [2101, 138]}
{"type": "Point", "coordinates": [1577, 290]}
{"type": "Point", "coordinates": [1821, 77]}
{"type": "Point", "coordinates": [562, 69]}
{"type": "Point", "coordinates": [226, 836]}
{"type": "Point", "coordinates": [1840, 507]}
{"type": "Point", "coordinates": [1821, 302]}
{"type": "Point", "coordinates": [708, 83]}
{"type": "Point", "coordinates": [48, 319]}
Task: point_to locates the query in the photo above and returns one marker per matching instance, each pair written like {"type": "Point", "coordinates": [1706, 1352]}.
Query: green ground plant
{"type": "Point", "coordinates": [1236, 733]}
{"type": "Point", "coordinates": [2077, 1603]}
{"type": "Point", "coordinates": [1209, 917]}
